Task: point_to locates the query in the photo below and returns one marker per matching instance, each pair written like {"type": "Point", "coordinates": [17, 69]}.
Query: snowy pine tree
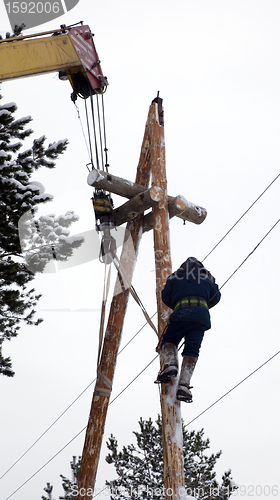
{"type": "Point", "coordinates": [17, 31]}
{"type": "Point", "coordinates": [69, 485]}
{"type": "Point", "coordinates": [48, 489]}
{"type": "Point", "coordinates": [140, 468]}
{"type": "Point", "coordinates": [19, 197]}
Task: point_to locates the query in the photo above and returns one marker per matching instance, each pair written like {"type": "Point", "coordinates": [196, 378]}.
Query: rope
{"type": "Point", "coordinates": [106, 286]}
{"type": "Point", "coordinates": [133, 292]}
{"type": "Point", "coordinates": [100, 391]}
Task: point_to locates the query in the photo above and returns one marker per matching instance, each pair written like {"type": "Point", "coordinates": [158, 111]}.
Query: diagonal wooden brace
{"type": "Point", "coordinates": [137, 205]}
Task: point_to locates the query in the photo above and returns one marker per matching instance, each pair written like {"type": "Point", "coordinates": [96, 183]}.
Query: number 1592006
{"type": "Point", "coordinates": [256, 491]}
{"type": "Point", "coordinates": [33, 7]}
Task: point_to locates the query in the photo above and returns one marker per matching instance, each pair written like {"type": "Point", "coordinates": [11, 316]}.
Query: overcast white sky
{"type": "Point", "coordinates": [216, 65]}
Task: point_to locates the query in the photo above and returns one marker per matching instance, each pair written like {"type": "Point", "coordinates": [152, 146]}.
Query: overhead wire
{"type": "Point", "coordinates": [249, 255]}
{"type": "Point", "coordinates": [142, 371]}
{"type": "Point", "coordinates": [123, 390]}
{"type": "Point", "coordinates": [78, 434]}
{"type": "Point", "coordinates": [155, 313]}
{"type": "Point", "coordinates": [246, 211]}
{"type": "Point", "coordinates": [213, 404]}
{"type": "Point", "coordinates": [69, 406]}
{"type": "Point", "coordinates": [232, 389]}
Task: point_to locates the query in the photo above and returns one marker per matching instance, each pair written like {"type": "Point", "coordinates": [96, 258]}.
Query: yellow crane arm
{"type": "Point", "coordinates": [69, 50]}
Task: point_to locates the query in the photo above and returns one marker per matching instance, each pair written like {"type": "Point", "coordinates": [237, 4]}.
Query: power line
{"type": "Point", "coordinates": [68, 407]}
{"type": "Point", "coordinates": [142, 372]}
{"type": "Point", "coordinates": [213, 404]}
{"type": "Point", "coordinates": [78, 434]}
{"type": "Point", "coordinates": [251, 253]}
{"type": "Point", "coordinates": [45, 432]}
{"type": "Point", "coordinates": [235, 224]}
{"type": "Point", "coordinates": [237, 385]}
{"type": "Point", "coordinates": [130, 383]}
{"type": "Point", "coordinates": [155, 313]}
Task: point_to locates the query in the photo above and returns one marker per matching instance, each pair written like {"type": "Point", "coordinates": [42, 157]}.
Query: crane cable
{"type": "Point", "coordinates": [98, 127]}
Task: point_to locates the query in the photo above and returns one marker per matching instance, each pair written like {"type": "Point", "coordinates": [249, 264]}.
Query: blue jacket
{"type": "Point", "coordinates": [197, 282]}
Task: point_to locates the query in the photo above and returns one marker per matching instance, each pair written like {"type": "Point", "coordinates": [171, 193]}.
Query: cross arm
{"type": "Point", "coordinates": [177, 206]}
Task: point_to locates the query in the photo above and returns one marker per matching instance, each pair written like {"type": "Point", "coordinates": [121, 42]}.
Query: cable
{"type": "Point", "coordinates": [94, 131]}
{"type": "Point", "coordinates": [89, 138]}
{"type": "Point", "coordinates": [131, 341]}
{"type": "Point", "coordinates": [104, 134]}
{"type": "Point", "coordinates": [228, 392]}
{"type": "Point", "coordinates": [100, 136]}
{"type": "Point", "coordinates": [68, 407]}
{"type": "Point", "coordinates": [250, 253]}
{"type": "Point", "coordinates": [78, 434]}
{"type": "Point", "coordinates": [131, 382]}
{"type": "Point", "coordinates": [136, 334]}
{"type": "Point", "coordinates": [45, 432]}
{"type": "Point", "coordinates": [151, 363]}
{"type": "Point", "coordinates": [83, 132]}
{"type": "Point", "coordinates": [213, 404]}
{"type": "Point", "coordinates": [241, 217]}
{"type": "Point", "coordinates": [50, 460]}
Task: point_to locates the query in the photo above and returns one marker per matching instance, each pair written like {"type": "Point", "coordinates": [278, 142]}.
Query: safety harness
{"type": "Point", "coordinates": [190, 301]}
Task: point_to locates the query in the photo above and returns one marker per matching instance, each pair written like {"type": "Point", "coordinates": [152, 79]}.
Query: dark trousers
{"type": "Point", "coordinates": [193, 333]}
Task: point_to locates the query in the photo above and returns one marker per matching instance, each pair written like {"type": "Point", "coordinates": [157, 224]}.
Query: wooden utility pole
{"type": "Point", "coordinates": [152, 159]}
{"type": "Point", "coordinates": [172, 437]}
{"type": "Point", "coordinates": [106, 368]}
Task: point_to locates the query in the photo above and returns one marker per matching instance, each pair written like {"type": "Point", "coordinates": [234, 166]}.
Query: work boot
{"type": "Point", "coordinates": [170, 369]}
{"type": "Point", "coordinates": [183, 390]}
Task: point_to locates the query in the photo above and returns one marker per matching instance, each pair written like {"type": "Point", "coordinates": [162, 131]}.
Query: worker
{"type": "Point", "coordinates": [190, 291]}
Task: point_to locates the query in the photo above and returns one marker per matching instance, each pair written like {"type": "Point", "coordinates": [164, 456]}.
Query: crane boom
{"type": "Point", "coordinates": [70, 50]}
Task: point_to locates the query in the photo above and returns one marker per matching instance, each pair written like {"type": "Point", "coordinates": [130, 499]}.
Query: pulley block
{"type": "Point", "coordinates": [103, 209]}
